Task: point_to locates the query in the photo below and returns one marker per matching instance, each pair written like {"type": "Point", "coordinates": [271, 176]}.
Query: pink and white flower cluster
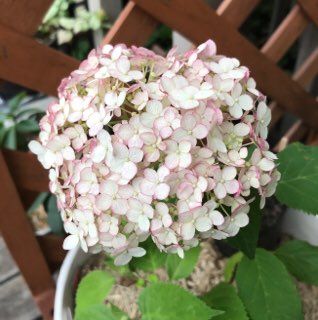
{"type": "Point", "coordinates": [143, 146]}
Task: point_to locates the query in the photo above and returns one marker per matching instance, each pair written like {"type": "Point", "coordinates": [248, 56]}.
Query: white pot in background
{"type": "Point", "coordinates": [302, 226]}
{"type": "Point", "coordinates": [64, 295]}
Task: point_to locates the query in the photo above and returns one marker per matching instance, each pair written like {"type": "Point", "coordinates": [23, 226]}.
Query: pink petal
{"type": "Point", "coordinates": [184, 191]}
{"type": "Point", "coordinates": [108, 187]}
{"type": "Point", "coordinates": [200, 131]}
{"type": "Point", "coordinates": [217, 218]}
{"type": "Point", "coordinates": [246, 102]}
{"type": "Point", "coordinates": [135, 155]}
{"type": "Point", "coordinates": [35, 147]}
{"type": "Point", "coordinates": [165, 132]}
{"type": "Point", "coordinates": [132, 215]}
{"type": "Point", "coordinates": [123, 65]}
{"type": "Point", "coordinates": [147, 187]}
{"type": "Point", "coordinates": [148, 138]}
{"type": "Point", "coordinates": [185, 160]}
{"type": "Point", "coordinates": [68, 153]}
{"type": "Point", "coordinates": [232, 186]}
{"type": "Point", "coordinates": [241, 129]}
{"type": "Point", "coordinates": [266, 165]}
{"type": "Point", "coordinates": [103, 202]}
{"type": "Point", "coordinates": [241, 219]}
{"type": "Point", "coordinates": [228, 173]}
{"type": "Point", "coordinates": [122, 259]}
{"type": "Point", "coordinates": [188, 122]}
{"type": "Point", "coordinates": [162, 191]}
{"type": "Point", "coordinates": [203, 224]}
{"type": "Point", "coordinates": [98, 154]}
{"type": "Point", "coordinates": [125, 132]}
{"type": "Point", "coordinates": [119, 206]}
{"type": "Point", "coordinates": [236, 111]}
{"type": "Point", "coordinates": [172, 161]}
{"type": "Point", "coordinates": [152, 156]}
{"type": "Point", "coordinates": [167, 220]}
{"type": "Point", "coordinates": [188, 231]}
{"type": "Point", "coordinates": [220, 191]}
{"type": "Point", "coordinates": [70, 242]}
{"type": "Point", "coordinates": [143, 223]}
{"type": "Point", "coordinates": [137, 252]}
{"type": "Point", "coordinates": [129, 170]}
{"type": "Point", "coordinates": [83, 187]}
{"type": "Point", "coordinates": [185, 146]}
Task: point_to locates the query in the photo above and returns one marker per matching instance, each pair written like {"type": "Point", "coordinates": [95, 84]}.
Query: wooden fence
{"type": "Point", "coordinates": [25, 61]}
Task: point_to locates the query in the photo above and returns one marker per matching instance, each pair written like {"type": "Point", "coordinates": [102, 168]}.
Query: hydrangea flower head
{"type": "Point", "coordinates": [142, 146]}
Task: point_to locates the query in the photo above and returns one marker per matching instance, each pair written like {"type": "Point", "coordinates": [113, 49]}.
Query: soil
{"type": "Point", "coordinates": [207, 273]}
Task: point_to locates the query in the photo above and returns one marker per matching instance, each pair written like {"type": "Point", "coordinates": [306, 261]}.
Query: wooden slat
{"type": "Point", "coordinates": [19, 237]}
{"type": "Point", "coordinates": [295, 133]}
{"type": "Point", "coordinates": [308, 70]}
{"type": "Point", "coordinates": [26, 170]}
{"type": "Point", "coordinates": [286, 34]}
{"type": "Point", "coordinates": [277, 113]}
{"type": "Point", "coordinates": [51, 246]}
{"type": "Point", "coordinates": [27, 62]}
{"type": "Point", "coordinates": [198, 22]}
{"type": "Point", "coordinates": [27, 15]}
{"type": "Point", "coordinates": [134, 26]}
{"type": "Point", "coordinates": [23, 16]}
{"type": "Point", "coordinates": [304, 75]}
{"type": "Point", "coordinates": [236, 11]}
{"type": "Point", "coordinates": [311, 8]}
{"type": "Point", "coordinates": [312, 138]}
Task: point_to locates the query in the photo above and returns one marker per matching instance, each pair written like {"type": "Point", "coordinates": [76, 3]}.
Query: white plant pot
{"type": "Point", "coordinates": [302, 226]}
{"type": "Point", "coordinates": [64, 295]}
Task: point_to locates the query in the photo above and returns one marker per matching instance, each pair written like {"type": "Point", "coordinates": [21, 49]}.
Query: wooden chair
{"type": "Point", "coordinates": [25, 61]}
{"type": "Point", "coordinates": [21, 179]}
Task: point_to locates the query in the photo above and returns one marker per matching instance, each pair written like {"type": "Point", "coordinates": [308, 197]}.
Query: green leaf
{"type": "Point", "coordinates": [38, 201]}
{"type": "Point", "coordinates": [10, 140]}
{"type": "Point", "coordinates": [224, 297]}
{"type": "Point", "coordinates": [92, 290]}
{"type": "Point", "coordinates": [231, 266]}
{"type": "Point", "coordinates": [166, 301]}
{"type": "Point", "coordinates": [117, 313]}
{"type": "Point", "coordinates": [298, 187]}
{"type": "Point", "coordinates": [246, 240]}
{"type": "Point", "coordinates": [28, 111]}
{"type": "Point", "coordinates": [15, 102]}
{"type": "Point", "coordinates": [98, 312]}
{"type": "Point", "coordinates": [53, 215]}
{"type": "Point", "coordinates": [28, 126]}
{"type": "Point", "coordinates": [250, 150]}
{"type": "Point", "coordinates": [301, 260]}
{"type": "Point", "coordinates": [153, 260]}
{"type": "Point", "coordinates": [267, 289]}
{"type": "Point", "coordinates": [178, 268]}
{"type": "Point", "coordinates": [3, 132]}
{"type": "Point", "coordinates": [67, 23]}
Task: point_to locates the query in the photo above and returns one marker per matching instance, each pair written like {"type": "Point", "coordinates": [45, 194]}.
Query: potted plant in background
{"type": "Point", "coordinates": [150, 154]}
{"type": "Point", "coordinates": [19, 119]}
{"type": "Point", "coordinates": [68, 25]}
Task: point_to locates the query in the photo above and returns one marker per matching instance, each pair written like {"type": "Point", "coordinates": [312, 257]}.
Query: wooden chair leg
{"type": "Point", "coordinates": [21, 241]}
{"type": "Point", "coordinates": [45, 302]}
